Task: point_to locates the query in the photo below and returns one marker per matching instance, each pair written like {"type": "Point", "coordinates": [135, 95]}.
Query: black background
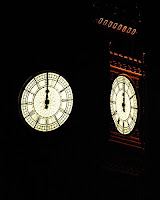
{"type": "Point", "coordinates": [65, 163]}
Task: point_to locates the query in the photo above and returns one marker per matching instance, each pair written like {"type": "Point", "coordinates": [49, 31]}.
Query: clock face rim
{"type": "Point", "coordinates": [21, 93]}
{"type": "Point", "coordinates": [138, 104]}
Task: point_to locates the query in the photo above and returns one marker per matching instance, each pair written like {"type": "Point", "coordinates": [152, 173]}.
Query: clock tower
{"type": "Point", "coordinates": [135, 70]}
{"type": "Point", "coordinates": [126, 80]}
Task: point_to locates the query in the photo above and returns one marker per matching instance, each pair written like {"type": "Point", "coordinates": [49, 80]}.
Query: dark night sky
{"type": "Point", "coordinates": [59, 37]}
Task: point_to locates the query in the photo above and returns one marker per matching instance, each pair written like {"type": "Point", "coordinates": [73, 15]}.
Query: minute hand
{"type": "Point", "coordinates": [47, 91]}
{"type": "Point", "coordinates": [124, 98]}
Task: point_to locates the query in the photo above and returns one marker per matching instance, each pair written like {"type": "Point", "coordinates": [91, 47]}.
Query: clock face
{"type": "Point", "coordinates": [124, 104]}
{"type": "Point", "coordinates": [46, 101]}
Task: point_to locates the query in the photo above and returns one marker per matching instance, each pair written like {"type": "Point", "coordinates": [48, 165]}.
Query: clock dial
{"type": "Point", "coordinates": [123, 104]}
{"type": "Point", "coordinates": [46, 101]}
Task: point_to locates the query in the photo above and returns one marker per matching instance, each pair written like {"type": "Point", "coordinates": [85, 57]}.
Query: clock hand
{"type": "Point", "coordinates": [47, 91]}
{"type": "Point", "coordinates": [124, 96]}
{"type": "Point", "coordinates": [123, 104]}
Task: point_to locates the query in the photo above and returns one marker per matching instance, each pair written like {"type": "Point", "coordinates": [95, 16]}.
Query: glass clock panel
{"type": "Point", "coordinates": [123, 104]}
{"type": "Point", "coordinates": [46, 101]}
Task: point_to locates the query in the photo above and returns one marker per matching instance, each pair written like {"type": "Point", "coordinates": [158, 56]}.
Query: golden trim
{"type": "Point", "coordinates": [124, 70]}
{"type": "Point", "coordinates": [126, 57]}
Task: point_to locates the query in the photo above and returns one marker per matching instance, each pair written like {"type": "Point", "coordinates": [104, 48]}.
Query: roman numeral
{"type": "Point", "coordinates": [63, 111]}
{"type": "Point", "coordinates": [133, 107]}
{"type": "Point", "coordinates": [56, 120]}
{"type": "Point", "coordinates": [32, 113]}
{"type": "Point", "coordinates": [132, 96]}
{"type": "Point", "coordinates": [56, 81]}
{"type": "Point", "coordinates": [37, 83]}
{"type": "Point", "coordinates": [37, 120]}
{"type": "Point", "coordinates": [30, 92]}
{"type": "Point", "coordinates": [27, 103]}
{"type": "Point", "coordinates": [65, 100]}
{"type": "Point", "coordinates": [64, 88]}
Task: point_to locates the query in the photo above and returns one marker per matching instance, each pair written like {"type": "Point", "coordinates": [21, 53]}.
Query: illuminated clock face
{"type": "Point", "coordinates": [46, 101]}
{"type": "Point", "coordinates": [123, 104]}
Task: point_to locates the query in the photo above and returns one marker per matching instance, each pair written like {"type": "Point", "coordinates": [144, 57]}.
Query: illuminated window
{"type": "Point", "coordinates": [120, 27]}
{"type": "Point", "coordinates": [110, 24]}
{"type": "Point", "coordinates": [133, 32]}
{"type": "Point", "coordinates": [105, 22]}
{"type": "Point", "coordinates": [115, 25]}
{"type": "Point", "coordinates": [129, 30]}
{"type": "Point", "coordinates": [100, 21]}
{"type": "Point", "coordinates": [124, 29]}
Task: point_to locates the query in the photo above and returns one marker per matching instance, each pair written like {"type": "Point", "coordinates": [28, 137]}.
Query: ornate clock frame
{"type": "Point", "coordinates": [135, 70]}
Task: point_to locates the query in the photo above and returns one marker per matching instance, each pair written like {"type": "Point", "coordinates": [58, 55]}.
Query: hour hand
{"type": "Point", "coordinates": [47, 100]}
{"type": "Point", "coordinates": [123, 104]}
